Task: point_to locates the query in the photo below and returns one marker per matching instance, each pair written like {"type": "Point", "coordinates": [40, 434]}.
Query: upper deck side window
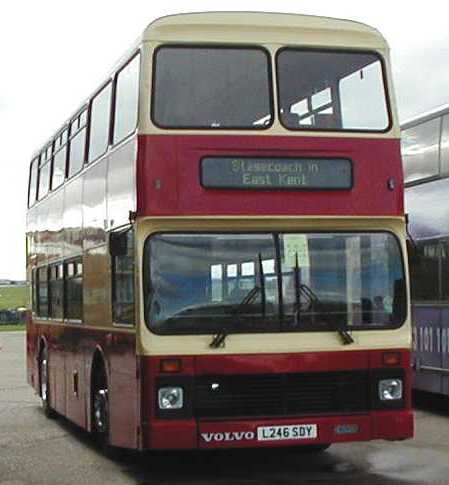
{"type": "Point", "coordinates": [420, 150]}
{"type": "Point", "coordinates": [99, 123]}
{"type": "Point", "coordinates": [331, 90]}
{"type": "Point", "coordinates": [212, 87]}
{"type": "Point", "coordinates": [126, 100]}
{"type": "Point", "coordinates": [44, 171]}
{"type": "Point", "coordinates": [77, 146]}
{"type": "Point", "coordinates": [32, 187]}
{"type": "Point", "coordinates": [59, 160]}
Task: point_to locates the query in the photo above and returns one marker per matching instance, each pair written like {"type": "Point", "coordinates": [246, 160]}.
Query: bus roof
{"type": "Point", "coordinates": [426, 116]}
{"type": "Point", "coordinates": [261, 27]}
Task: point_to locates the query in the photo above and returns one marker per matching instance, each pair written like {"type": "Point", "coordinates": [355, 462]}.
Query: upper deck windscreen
{"type": "Point", "coordinates": [212, 87]}
{"type": "Point", "coordinates": [331, 90]}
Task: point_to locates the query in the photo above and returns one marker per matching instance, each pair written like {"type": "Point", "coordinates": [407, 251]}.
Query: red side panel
{"type": "Point", "coordinates": [71, 352]}
{"type": "Point", "coordinates": [168, 181]}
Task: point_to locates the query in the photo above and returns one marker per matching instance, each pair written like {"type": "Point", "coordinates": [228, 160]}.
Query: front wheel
{"type": "Point", "coordinates": [44, 384]}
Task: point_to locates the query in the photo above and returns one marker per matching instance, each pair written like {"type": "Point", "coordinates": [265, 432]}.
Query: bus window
{"type": "Point", "coordinates": [99, 123]}
{"type": "Point", "coordinates": [74, 290]}
{"type": "Point", "coordinates": [44, 172]}
{"type": "Point", "coordinates": [42, 292]}
{"type": "Point", "coordinates": [59, 161]}
{"type": "Point", "coordinates": [425, 273]}
{"type": "Point", "coordinates": [207, 282]}
{"type": "Point", "coordinates": [33, 182]}
{"type": "Point", "coordinates": [56, 291]}
{"type": "Point", "coordinates": [212, 87]}
{"type": "Point", "coordinates": [123, 282]}
{"type": "Point", "coordinates": [77, 147]}
{"type": "Point", "coordinates": [331, 90]}
{"type": "Point", "coordinates": [126, 100]}
{"type": "Point", "coordinates": [420, 146]}
{"type": "Point", "coordinates": [34, 290]}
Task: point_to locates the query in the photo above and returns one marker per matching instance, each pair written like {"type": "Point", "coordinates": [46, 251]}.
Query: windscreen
{"type": "Point", "coordinates": [205, 283]}
{"type": "Point", "coordinates": [211, 87]}
{"type": "Point", "coordinates": [331, 90]}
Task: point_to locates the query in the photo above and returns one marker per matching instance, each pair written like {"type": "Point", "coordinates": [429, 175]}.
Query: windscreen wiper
{"type": "Point", "coordinates": [262, 286]}
{"type": "Point", "coordinates": [218, 340]}
{"type": "Point", "coordinates": [346, 337]}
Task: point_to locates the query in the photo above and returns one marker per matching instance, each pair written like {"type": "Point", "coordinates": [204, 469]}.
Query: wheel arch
{"type": "Point", "coordinates": [41, 345]}
{"type": "Point", "coordinates": [98, 361]}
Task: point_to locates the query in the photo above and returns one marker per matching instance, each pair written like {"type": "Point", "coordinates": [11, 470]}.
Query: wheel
{"type": "Point", "coordinates": [100, 414]}
{"type": "Point", "coordinates": [44, 386]}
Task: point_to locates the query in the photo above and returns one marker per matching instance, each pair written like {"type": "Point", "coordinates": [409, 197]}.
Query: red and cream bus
{"type": "Point", "coordinates": [216, 241]}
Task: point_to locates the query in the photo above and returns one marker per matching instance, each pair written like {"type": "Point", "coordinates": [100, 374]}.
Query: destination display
{"type": "Point", "coordinates": [276, 173]}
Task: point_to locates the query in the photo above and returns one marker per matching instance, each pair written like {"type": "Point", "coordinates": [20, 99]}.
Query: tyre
{"type": "Point", "coordinates": [44, 384]}
{"type": "Point", "coordinates": [100, 414]}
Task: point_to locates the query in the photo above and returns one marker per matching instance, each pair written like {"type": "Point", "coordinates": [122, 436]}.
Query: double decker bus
{"type": "Point", "coordinates": [425, 149]}
{"type": "Point", "coordinates": [216, 242]}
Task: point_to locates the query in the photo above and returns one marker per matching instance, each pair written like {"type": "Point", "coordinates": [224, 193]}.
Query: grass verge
{"type": "Point", "coordinates": [13, 297]}
{"type": "Point", "coordinates": [12, 327]}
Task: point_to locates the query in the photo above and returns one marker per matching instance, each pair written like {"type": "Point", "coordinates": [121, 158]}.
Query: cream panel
{"type": "Point", "coordinates": [261, 27]}
{"type": "Point", "coordinates": [152, 344]}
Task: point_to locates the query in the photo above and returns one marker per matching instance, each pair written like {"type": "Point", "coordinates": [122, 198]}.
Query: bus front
{"type": "Point", "coordinates": [273, 287]}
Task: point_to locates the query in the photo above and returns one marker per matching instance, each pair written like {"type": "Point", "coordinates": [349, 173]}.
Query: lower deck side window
{"type": "Point", "coordinates": [74, 290]}
{"type": "Point", "coordinates": [42, 292]}
{"type": "Point", "coordinates": [123, 281]}
{"type": "Point", "coordinates": [57, 291]}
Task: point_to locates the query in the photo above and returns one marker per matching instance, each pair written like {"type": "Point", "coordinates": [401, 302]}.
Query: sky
{"type": "Point", "coordinates": [54, 54]}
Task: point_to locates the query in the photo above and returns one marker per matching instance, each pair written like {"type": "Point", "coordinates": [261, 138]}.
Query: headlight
{"type": "Point", "coordinates": [171, 398]}
{"type": "Point", "coordinates": [390, 389]}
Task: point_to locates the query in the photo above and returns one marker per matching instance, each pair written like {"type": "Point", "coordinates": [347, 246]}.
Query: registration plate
{"type": "Point", "coordinates": [288, 432]}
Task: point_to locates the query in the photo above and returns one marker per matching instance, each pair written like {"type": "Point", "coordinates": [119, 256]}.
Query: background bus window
{"type": "Point", "coordinates": [56, 291]}
{"type": "Point", "coordinates": [420, 147]}
{"type": "Point", "coordinates": [59, 160]}
{"type": "Point", "coordinates": [126, 100]}
{"type": "Point", "coordinates": [425, 272]}
{"type": "Point", "coordinates": [123, 283]}
{"type": "Point", "coordinates": [42, 292]}
{"type": "Point", "coordinates": [444, 269]}
{"type": "Point", "coordinates": [331, 90]}
{"type": "Point", "coordinates": [99, 123]}
{"type": "Point", "coordinates": [444, 147]}
{"type": "Point", "coordinates": [32, 188]}
{"type": "Point", "coordinates": [77, 146]}
{"type": "Point", "coordinates": [74, 290]}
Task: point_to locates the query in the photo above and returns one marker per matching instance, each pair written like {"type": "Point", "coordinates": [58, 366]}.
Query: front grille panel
{"type": "Point", "coordinates": [281, 394]}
